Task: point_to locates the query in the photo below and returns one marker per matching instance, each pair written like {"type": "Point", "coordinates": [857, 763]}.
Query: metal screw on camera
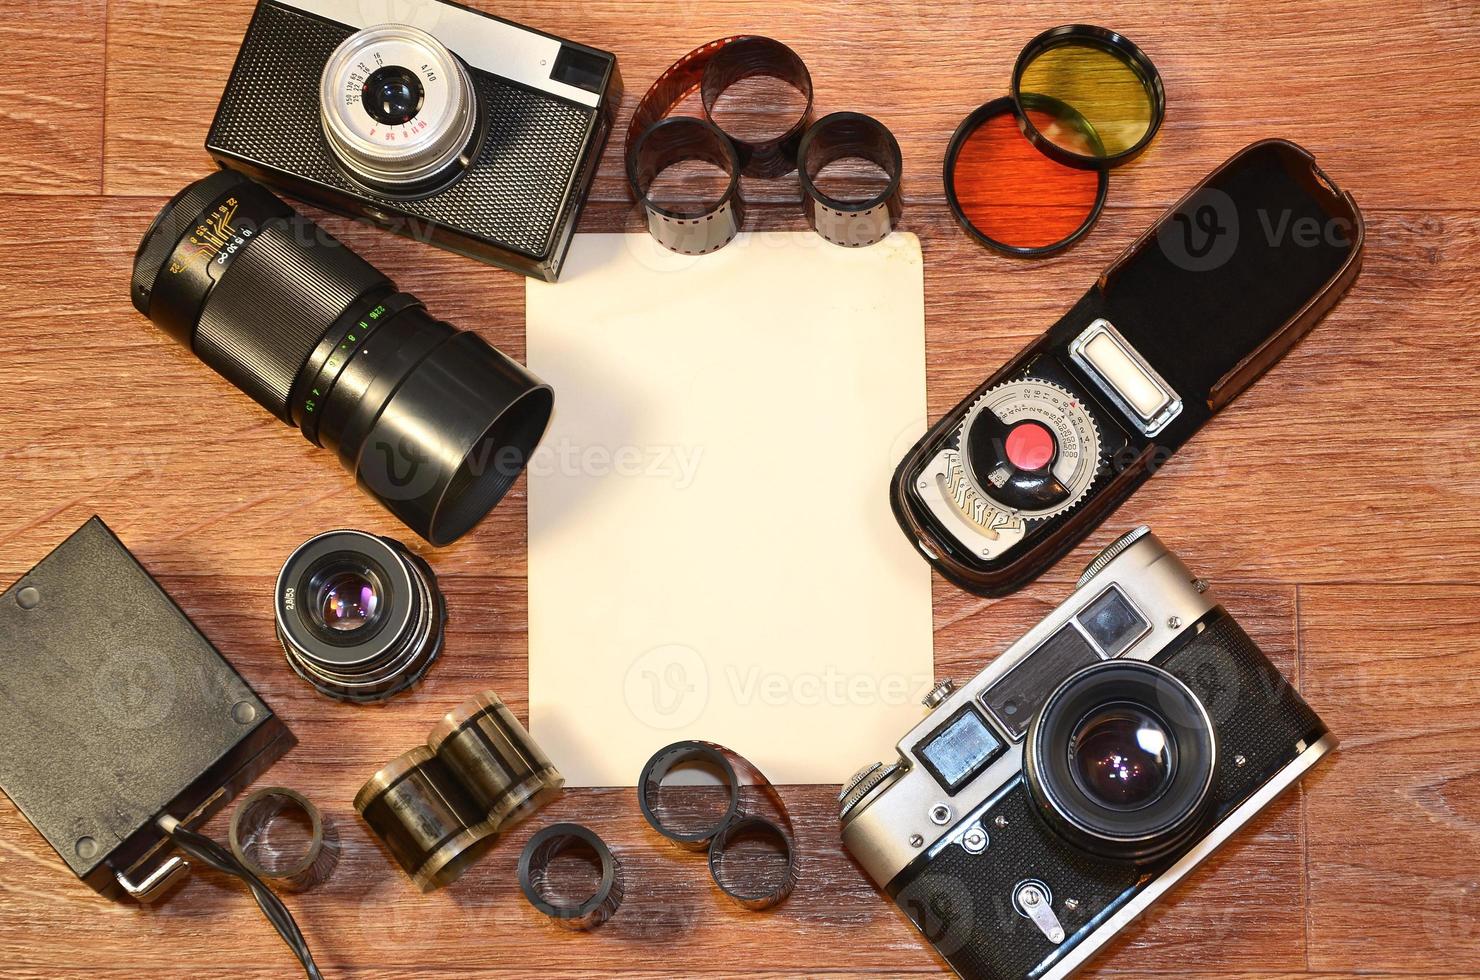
{"type": "Point", "coordinates": [975, 840]}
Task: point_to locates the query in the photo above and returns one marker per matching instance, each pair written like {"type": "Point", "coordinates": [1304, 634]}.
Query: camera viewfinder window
{"type": "Point", "coordinates": [579, 68]}
{"type": "Point", "coordinates": [1112, 622]}
{"type": "Point", "coordinates": [960, 749]}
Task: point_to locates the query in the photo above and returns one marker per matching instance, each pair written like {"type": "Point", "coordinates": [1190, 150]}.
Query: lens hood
{"type": "Point", "coordinates": [489, 415]}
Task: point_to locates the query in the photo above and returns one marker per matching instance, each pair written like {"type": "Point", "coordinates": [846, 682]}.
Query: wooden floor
{"type": "Point", "coordinates": [1335, 506]}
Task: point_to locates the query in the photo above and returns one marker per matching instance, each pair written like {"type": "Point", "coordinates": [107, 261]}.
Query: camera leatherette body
{"type": "Point", "coordinates": [545, 104]}
{"type": "Point", "coordinates": [959, 893]}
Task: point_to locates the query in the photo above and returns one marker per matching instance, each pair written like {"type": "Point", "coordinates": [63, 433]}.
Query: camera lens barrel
{"type": "Point", "coordinates": [359, 617]}
{"type": "Point", "coordinates": [1120, 760]}
{"type": "Point", "coordinates": [434, 422]}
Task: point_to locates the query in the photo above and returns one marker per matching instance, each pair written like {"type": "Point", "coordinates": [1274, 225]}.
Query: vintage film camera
{"type": "Point", "coordinates": [431, 119]}
{"type": "Point", "coordinates": [1048, 801]}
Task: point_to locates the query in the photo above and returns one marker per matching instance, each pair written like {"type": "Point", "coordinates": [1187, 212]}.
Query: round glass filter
{"type": "Point", "coordinates": [1013, 198]}
{"type": "Point", "coordinates": [1114, 89]}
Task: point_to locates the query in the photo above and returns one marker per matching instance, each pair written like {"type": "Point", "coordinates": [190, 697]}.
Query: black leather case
{"type": "Point", "coordinates": [1209, 315]}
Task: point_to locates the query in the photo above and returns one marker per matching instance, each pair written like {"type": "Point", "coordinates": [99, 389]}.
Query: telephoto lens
{"type": "Point", "coordinates": [360, 617]}
{"type": "Point", "coordinates": [434, 422]}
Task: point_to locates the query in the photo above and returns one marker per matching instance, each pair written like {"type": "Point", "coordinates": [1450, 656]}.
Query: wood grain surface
{"type": "Point", "coordinates": [1335, 506]}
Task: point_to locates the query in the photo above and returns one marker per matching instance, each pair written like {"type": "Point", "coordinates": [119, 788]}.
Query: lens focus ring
{"type": "Point", "coordinates": [398, 108]}
{"type": "Point", "coordinates": [260, 323]}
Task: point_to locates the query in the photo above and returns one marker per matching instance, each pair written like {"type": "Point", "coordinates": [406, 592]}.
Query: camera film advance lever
{"type": "Point", "coordinates": [1189, 316]}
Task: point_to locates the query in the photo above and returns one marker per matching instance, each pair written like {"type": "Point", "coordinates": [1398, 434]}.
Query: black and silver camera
{"type": "Point", "coordinates": [1048, 801]}
{"type": "Point", "coordinates": [432, 119]}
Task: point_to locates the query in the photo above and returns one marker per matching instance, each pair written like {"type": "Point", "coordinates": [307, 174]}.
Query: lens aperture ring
{"type": "Point", "coordinates": [348, 335]}
{"type": "Point", "coordinates": [425, 137]}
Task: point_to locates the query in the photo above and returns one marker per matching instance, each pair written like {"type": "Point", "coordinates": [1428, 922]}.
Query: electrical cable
{"type": "Point", "coordinates": [209, 852]}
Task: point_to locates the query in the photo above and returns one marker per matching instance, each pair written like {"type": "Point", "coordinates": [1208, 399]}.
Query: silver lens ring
{"type": "Point", "coordinates": [389, 615]}
{"type": "Point", "coordinates": [413, 140]}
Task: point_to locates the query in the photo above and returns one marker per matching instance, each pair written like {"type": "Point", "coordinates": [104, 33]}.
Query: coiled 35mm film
{"type": "Point", "coordinates": [733, 813]}
{"type": "Point", "coordinates": [850, 135]}
{"type": "Point", "coordinates": [438, 807]}
{"type": "Point", "coordinates": [578, 912]}
{"type": "Point", "coordinates": [657, 141]}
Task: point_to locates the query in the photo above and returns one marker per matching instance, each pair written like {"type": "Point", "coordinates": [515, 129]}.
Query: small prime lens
{"type": "Point", "coordinates": [435, 423]}
{"type": "Point", "coordinates": [360, 617]}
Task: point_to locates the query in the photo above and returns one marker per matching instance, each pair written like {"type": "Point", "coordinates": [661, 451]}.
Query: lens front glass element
{"type": "Point", "coordinates": [347, 601]}
{"type": "Point", "coordinates": [1106, 88]}
{"type": "Point", "coordinates": [393, 95]}
{"type": "Point", "coordinates": [1122, 756]}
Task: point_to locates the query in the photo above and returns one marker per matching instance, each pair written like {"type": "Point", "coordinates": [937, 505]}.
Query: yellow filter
{"type": "Point", "coordinates": [1119, 98]}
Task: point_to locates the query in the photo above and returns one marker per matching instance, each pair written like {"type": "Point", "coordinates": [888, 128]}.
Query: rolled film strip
{"type": "Point", "coordinates": [754, 56]}
{"type": "Point", "coordinates": [712, 68]}
{"type": "Point", "coordinates": [503, 767]}
{"type": "Point", "coordinates": [738, 808]}
{"type": "Point", "coordinates": [550, 898]}
{"type": "Point", "coordinates": [438, 807]}
{"type": "Point", "coordinates": [257, 845]}
{"type": "Point", "coordinates": [426, 818]}
{"type": "Point", "coordinates": [842, 136]}
{"type": "Point", "coordinates": [674, 140]}
{"type": "Point", "coordinates": [727, 866]}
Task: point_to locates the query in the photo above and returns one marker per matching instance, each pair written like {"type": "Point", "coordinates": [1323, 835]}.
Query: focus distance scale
{"type": "Point", "coordinates": [657, 141]}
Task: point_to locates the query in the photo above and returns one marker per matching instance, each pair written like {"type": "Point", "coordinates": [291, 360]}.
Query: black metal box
{"type": "Point", "coordinates": [115, 710]}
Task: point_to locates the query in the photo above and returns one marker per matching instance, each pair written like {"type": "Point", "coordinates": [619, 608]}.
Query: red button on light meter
{"type": "Point", "coordinates": [1030, 446]}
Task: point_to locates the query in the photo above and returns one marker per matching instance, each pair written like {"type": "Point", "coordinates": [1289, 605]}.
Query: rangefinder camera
{"type": "Point", "coordinates": [1044, 804]}
{"type": "Point", "coordinates": [428, 118]}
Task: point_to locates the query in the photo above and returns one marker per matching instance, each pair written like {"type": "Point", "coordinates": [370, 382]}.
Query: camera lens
{"type": "Point", "coordinates": [406, 127]}
{"type": "Point", "coordinates": [1120, 760]}
{"type": "Point", "coordinates": [360, 617]}
{"type": "Point", "coordinates": [435, 423]}
{"type": "Point", "coordinates": [393, 95]}
{"type": "Point", "coordinates": [1121, 756]}
{"type": "Point", "coordinates": [347, 601]}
